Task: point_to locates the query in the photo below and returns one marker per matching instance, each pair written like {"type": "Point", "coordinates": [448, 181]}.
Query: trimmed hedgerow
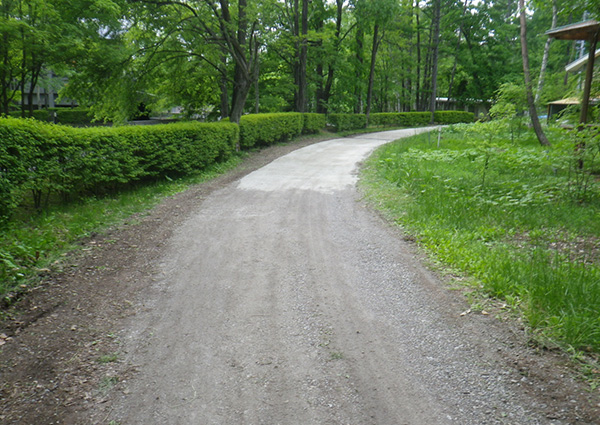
{"type": "Point", "coordinates": [454, 117]}
{"type": "Point", "coordinates": [385, 119]}
{"type": "Point", "coordinates": [343, 122]}
{"type": "Point", "coordinates": [400, 119]}
{"type": "Point", "coordinates": [70, 116]}
{"type": "Point", "coordinates": [413, 119]}
{"type": "Point", "coordinates": [267, 129]}
{"type": "Point", "coordinates": [38, 114]}
{"type": "Point", "coordinates": [40, 158]}
{"type": "Point", "coordinates": [313, 123]}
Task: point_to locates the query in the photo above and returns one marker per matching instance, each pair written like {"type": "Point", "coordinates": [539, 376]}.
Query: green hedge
{"type": "Point", "coordinates": [344, 122]}
{"type": "Point", "coordinates": [70, 116]}
{"type": "Point", "coordinates": [413, 119]}
{"type": "Point", "coordinates": [454, 117]}
{"type": "Point", "coordinates": [400, 119]}
{"type": "Point", "coordinates": [313, 123]}
{"type": "Point", "coordinates": [40, 158]}
{"type": "Point", "coordinates": [267, 129]}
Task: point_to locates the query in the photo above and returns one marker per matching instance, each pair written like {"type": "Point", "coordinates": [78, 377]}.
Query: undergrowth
{"type": "Point", "coordinates": [520, 219]}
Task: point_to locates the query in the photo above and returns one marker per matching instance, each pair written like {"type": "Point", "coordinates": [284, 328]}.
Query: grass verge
{"type": "Point", "coordinates": [32, 242]}
{"type": "Point", "coordinates": [521, 220]}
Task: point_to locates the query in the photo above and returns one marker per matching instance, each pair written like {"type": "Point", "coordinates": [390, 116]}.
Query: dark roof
{"type": "Point", "coordinates": [580, 31]}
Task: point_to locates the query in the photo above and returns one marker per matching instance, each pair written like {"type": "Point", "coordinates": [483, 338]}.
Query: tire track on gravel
{"type": "Point", "coordinates": [284, 301]}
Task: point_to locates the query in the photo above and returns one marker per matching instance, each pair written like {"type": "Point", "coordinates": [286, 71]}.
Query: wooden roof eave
{"type": "Point", "coordinates": [586, 30]}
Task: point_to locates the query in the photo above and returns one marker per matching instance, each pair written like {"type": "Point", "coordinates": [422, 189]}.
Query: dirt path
{"type": "Point", "coordinates": [279, 298]}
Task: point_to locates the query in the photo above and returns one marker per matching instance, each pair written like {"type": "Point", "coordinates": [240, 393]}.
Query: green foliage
{"type": "Point", "coordinates": [267, 129]}
{"type": "Point", "coordinates": [453, 117]}
{"type": "Point", "coordinates": [313, 123]}
{"type": "Point", "coordinates": [507, 213]}
{"type": "Point", "coordinates": [68, 116]}
{"type": "Point", "coordinates": [415, 119]}
{"type": "Point", "coordinates": [72, 116]}
{"type": "Point", "coordinates": [343, 122]}
{"type": "Point", "coordinates": [45, 159]}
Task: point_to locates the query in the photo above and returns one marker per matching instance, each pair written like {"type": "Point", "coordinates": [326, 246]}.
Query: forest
{"type": "Point", "coordinates": [212, 59]}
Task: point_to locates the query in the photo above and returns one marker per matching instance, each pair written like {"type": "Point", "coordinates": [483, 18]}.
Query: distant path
{"type": "Point", "coordinates": [283, 300]}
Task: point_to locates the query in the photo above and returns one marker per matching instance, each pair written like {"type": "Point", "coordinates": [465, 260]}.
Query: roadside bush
{"type": "Point", "coordinates": [453, 117]}
{"type": "Point", "coordinates": [385, 119]}
{"type": "Point", "coordinates": [313, 123]}
{"type": "Point", "coordinates": [69, 116]}
{"type": "Point", "coordinates": [38, 114]}
{"type": "Point", "coordinates": [343, 122]}
{"type": "Point", "coordinates": [413, 119]}
{"type": "Point", "coordinates": [267, 129]}
{"type": "Point", "coordinates": [72, 116]}
{"type": "Point", "coordinates": [42, 158]}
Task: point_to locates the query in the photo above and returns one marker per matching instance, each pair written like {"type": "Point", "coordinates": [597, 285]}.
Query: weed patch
{"type": "Point", "coordinates": [519, 218]}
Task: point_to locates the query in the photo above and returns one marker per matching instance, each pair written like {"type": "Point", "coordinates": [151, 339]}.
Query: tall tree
{"type": "Point", "coordinates": [301, 32]}
{"type": "Point", "coordinates": [376, 14]}
{"type": "Point", "coordinates": [437, 7]}
{"type": "Point", "coordinates": [540, 84]}
{"type": "Point", "coordinates": [9, 65]}
{"type": "Point", "coordinates": [329, 57]}
{"type": "Point", "coordinates": [530, 100]}
{"type": "Point", "coordinates": [456, 51]}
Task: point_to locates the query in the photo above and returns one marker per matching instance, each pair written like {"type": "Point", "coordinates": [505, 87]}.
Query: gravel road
{"type": "Point", "coordinates": [284, 300]}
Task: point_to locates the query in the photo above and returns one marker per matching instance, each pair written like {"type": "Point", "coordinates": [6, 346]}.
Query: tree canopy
{"type": "Point", "coordinates": [224, 58]}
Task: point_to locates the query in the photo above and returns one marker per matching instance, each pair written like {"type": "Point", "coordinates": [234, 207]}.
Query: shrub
{"type": "Point", "coordinates": [313, 123]}
{"type": "Point", "coordinates": [38, 114]}
{"type": "Point", "coordinates": [72, 116]}
{"type": "Point", "coordinates": [385, 119]}
{"type": "Point", "coordinates": [453, 117]}
{"type": "Point", "coordinates": [44, 158]}
{"type": "Point", "coordinates": [413, 119]}
{"type": "Point", "coordinates": [267, 129]}
{"type": "Point", "coordinates": [343, 122]}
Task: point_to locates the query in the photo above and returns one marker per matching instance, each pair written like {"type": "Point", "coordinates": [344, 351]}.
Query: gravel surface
{"type": "Point", "coordinates": [284, 301]}
{"type": "Point", "coordinates": [281, 298]}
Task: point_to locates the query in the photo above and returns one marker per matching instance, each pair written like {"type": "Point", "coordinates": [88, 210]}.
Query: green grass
{"type": "Point", "coordinates": [520, 219]}
{"type": "Point", "coordinates": [108, 358]}
{"type": "Point", "coordinates": [32, 242]}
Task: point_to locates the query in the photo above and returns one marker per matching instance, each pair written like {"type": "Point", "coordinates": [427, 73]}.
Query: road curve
{"type": "Point", "coordinates": [283, 300]}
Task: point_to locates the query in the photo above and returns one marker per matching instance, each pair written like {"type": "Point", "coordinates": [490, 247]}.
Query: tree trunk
{"type": "Point", "coordinates": [243, 74]}
{"type": "Point", "coordinates": [256, 88]}
{"type": "Point", "coordinates": [372, 70]}
{"type": "Point", "coordinates": [241, 88]}
{"type": "Point", "coordinates": [36, 69]}
{"type": "Point", "coordinates": [426, 87]}
{"type": "Point", "coordinates": [5, 76]}
{"type": "Point", "coordinates": [359, 69]}
{"type": "Point", "coordinates": [460, 31]}
{"type": "Point", "coordinates": [437, 6]}
{"type": "Point", "coordinates": [323, 100]}
{"type": "Point", "coordinates": [589, 73]}
{"type": "Point", "coordinates": [540, 86]}
{"type": "Point", "coordinates": [302, 59]}
{"type": "Point", "coordinates": [418, 83]}
{"type": "Point", "coordinates": [224, 91]}
{"type": "Point", "coordinates": [23, 70]}
{"type": "Point", "coordinates": [530, 101]}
